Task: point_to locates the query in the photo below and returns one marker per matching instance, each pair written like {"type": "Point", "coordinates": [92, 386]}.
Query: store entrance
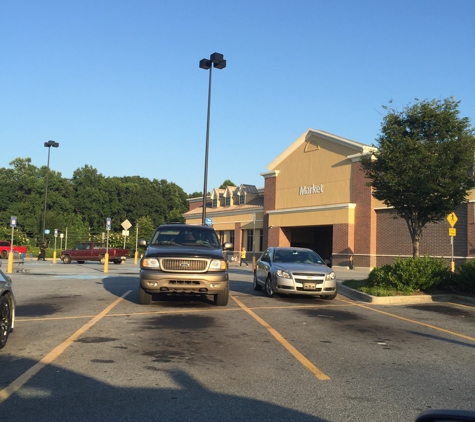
{"type": "Point", "coordinates": [317, 238]}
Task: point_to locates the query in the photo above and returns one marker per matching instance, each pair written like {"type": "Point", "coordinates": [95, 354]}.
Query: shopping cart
{"type": "Point", "coordinates": [19, 263]}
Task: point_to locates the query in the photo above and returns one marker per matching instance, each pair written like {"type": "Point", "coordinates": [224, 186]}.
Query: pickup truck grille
{"type": "Point", "coordinates": [185, 265]}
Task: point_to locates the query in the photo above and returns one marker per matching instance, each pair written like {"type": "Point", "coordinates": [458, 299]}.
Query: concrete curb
{"type": "Point", "coordinates": [398, 300]}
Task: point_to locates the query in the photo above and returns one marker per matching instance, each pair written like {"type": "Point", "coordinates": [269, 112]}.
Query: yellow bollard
{"type": "Point", "coordinates": [136, 257]}
{"type": "Point", "coordinates": [10, 263]}
{"type": "Point", "coordinates": [106, 263]}
{"type": "Point", "coordinates": [54, 257]}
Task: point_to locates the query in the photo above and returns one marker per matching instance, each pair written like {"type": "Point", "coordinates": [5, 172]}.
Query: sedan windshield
{"type": "Point", "coordinates": [297, 256]}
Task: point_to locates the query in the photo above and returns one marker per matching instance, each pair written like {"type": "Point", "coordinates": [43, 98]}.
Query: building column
{"type": "Point", "coordinates": [270, 185]}
{"type": "Point", "coordinates": [365, 246]}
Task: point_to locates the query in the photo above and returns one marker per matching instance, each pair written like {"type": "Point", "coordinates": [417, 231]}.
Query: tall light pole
{"type": "Point", "coordinates": [48, 145]}
{"type": "Point", "coordinates": [216, 60]}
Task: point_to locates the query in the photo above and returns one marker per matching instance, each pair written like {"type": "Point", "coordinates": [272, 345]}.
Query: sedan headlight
{"type": "Point", "coordinates": [283, 274]}
{"type": "Point", "coordinates": [330, 276]}
{"type": "Point", "coordinates": [150, 263]}
{"type": "Point", "coordinates": [218, 264]}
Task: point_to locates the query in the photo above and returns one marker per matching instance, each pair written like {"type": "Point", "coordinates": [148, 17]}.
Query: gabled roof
{"type": "Point", "coordinates": [250, 189]}
{"type": "Point", "coordinates": [230, 191]}
{"type": "Point", "coordinates": [217, 193]}
{"type": "Point", "coordinates": [307, 136]}
{"type": "Point", "coordinates": [254, 204]}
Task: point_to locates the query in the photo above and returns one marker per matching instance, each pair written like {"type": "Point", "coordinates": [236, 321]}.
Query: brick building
{"type": "Point", "coordinates": [315, 195]}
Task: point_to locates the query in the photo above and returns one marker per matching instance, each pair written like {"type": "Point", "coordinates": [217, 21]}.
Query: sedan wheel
{"type": "Point", "coordinates": [257, 287]}
{"type": "Point", "coordinates": [5, 320]}
{"type": "Point", "coordinates": [269, 289]}
{"type": "Point", "coordinates": [331, 297]}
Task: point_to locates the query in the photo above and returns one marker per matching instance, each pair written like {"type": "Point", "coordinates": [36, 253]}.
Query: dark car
{"type": "Point", "coordinates": [298, 271]}
{"type": "Point", "coordinates": [183, 259]}
{"type": "Point", "coordinates": [7, 308]}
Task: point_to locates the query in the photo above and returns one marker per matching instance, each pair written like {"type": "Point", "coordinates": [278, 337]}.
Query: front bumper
{"type": "Point", "coordinates": [153, 281]}
{"type": "Point", "coordinates": [313, 288]}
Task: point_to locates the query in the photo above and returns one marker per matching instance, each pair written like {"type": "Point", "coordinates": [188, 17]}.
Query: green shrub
{"type": "Point", "coordinates": [411, 274]}
{"type": "Point", "coordinates": [465, 277]}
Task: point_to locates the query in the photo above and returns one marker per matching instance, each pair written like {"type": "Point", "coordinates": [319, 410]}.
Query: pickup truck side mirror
{"type": "Point", "coordinates": [227, 246]}
{"type": "Point", "coordinates": [142, 242]}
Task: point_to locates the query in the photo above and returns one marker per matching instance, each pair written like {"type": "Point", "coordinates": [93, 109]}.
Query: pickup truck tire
{"type": "Point", "coordinates": [102, 260]}
{"type": "Point", "coordinates": [81, 262]}
{"type": "Point", "coordinates": [118, 262]}
{"type": "Point", "coordinates": [144, 297]}
{"type": "Point", "coordinates": [67, 259]}
{"type": "Point", "coordinates": [221, 298]}
{"type": "Point", "coordinates": [4, 254]}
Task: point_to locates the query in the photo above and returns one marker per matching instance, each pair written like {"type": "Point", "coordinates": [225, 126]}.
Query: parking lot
{"type": "Point", "coordinates": [83, 349]}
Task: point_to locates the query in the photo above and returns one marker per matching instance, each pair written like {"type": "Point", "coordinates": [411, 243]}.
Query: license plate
{"type": "Point", "coordinates": [309, 286]}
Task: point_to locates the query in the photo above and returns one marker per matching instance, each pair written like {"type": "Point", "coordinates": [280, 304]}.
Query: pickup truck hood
{"type": "Point", "coordinates": [183, 252]}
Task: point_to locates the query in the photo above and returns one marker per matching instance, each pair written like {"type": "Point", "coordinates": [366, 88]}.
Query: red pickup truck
{"type": "Point", "coordinates": [6, 246]}
{"type": "Point", "coordinates": [90, 251]}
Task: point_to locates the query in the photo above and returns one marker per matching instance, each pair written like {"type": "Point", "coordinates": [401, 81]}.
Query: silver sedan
{"type": "Point", "coordinates": [7, 308]}
{"type": "Point", "coordinates": [299, 271]}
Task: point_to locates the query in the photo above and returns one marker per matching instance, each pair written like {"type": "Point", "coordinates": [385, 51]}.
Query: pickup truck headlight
{"type": "Point", "coordinates": [150, 263]}
{"type": "Point", "coordinates": [283, 274]}
{"type": "Point", "coordinates": [218, 264]}
{"type": "Point", "coordinates": [330, 276]}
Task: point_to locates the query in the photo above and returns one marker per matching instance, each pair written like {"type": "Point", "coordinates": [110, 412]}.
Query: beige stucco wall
{"type": "Point", "coordinates": [319, 162]}
{"type": "Point", "coordinates": [228, 222]}
{"type": "Point", "coordinates": [320, 216]}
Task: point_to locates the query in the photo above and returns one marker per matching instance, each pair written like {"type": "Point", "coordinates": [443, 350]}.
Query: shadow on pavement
{"type": "Point", "coordinates": [62, 395]}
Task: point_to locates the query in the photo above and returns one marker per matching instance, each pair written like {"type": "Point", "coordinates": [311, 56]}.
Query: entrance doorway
{"type": "Point", "coordinates": [317, 238]}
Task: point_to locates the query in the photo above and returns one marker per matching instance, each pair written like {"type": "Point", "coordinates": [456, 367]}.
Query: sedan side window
{"type": "Point", "coordinates": [266, 256]}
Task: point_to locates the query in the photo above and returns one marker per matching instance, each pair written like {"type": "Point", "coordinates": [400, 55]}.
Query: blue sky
{"type": "Point", "coordinates": [117, 82]}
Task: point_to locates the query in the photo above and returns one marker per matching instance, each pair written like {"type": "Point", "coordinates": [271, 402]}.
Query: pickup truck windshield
{"type": "Point", "coordinates": [186, 237]}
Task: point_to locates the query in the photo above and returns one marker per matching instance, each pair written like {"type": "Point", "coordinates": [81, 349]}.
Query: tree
{"type": "Point", "coordinates": [226, 183]}
{"type": "Point", "coordinates": [195, 195]}
{"type": "Point", "coordinates": [424, 163]}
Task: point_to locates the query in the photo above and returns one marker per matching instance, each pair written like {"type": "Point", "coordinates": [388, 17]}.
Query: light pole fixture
{"type": "Point", "coordinates": [48, 145]}
{"type": "Point", "coordinates": [216, 60]}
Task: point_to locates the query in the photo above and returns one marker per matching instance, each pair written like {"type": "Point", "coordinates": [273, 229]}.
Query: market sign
{"type": "Point", "coordinates": [310, 190]}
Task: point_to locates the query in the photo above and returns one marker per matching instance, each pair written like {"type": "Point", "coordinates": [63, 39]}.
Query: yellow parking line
{"type": "Point", "coordinates": [415, 322]}
{"type": "Point", "coordinates": [293, 351]}
{"type": "Point", "coordinates": [51, 356]}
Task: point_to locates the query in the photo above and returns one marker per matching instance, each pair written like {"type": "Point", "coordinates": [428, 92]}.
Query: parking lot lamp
{"type": "Point", "coordinates": [216, 60]}
{"type": "Point", "coordinates": [48, 145]}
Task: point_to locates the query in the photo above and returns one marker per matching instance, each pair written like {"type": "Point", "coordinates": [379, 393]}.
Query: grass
{"type": "Point", "coordinates": [364, 286]}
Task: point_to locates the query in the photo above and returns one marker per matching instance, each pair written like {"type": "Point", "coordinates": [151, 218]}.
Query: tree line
{"type": "Point", "coordinates": [82, 204]}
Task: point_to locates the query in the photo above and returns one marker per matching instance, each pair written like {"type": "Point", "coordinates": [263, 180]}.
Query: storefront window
{"type": "Point", "coordinates": [250, 240]}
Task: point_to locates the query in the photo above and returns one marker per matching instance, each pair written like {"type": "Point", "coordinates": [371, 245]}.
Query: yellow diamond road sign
{"type": "Point", "coordinates": [452, 219]}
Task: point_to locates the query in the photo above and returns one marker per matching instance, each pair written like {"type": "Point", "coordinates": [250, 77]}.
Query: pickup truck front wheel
{"type": "Point", "coordinates": [67, 259]}
{"type": "Point", "coordinates": [4, 255]}
{"type": "Point", "coordinates": [221, 299]}
{"type": "Point", "coordinates": [144, 297]}
{"type": "Point", "coordinates": [102, 260]}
